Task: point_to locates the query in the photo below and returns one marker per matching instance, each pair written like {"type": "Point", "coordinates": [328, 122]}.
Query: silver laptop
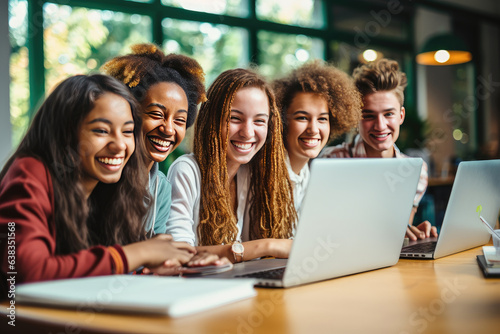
{"type": "Point", "coordinates": [353, 219]}
{"type": "Point", "coordinates": [476, 183]}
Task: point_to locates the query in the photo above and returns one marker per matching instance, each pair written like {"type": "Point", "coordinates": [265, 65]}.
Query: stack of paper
{"type": "Point", "coordinates": [172, 296]}
{"type": "Point", "coordinates": [490, 261]}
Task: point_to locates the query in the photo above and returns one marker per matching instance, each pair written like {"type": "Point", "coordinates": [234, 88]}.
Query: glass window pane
{"type": "Point", "coordinates": [79, 40]}
{"type": "Point", "coordinates": [281, 52]}
{"type": "Point", "coordinates": [347, 57]}
{"type": "Point", "coordinates": [304, 13]}
{"type": "Point", "coordinates": [216, 47]}
{"type": "Point", "coordinates": [19, 78]}
{"type": "Point", "coordinates": [463, 111]}
{"type": "Point", "coordinates": [225, 7]}
{"type": "Point", "coordinates": [369, 23]}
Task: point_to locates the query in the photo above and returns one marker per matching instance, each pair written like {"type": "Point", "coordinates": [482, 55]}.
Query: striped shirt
{"type": "Point", "coordinates": [357, 150]}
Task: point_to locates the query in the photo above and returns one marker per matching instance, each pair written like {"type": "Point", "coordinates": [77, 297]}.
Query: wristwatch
{"type": "Point", "coordinates": [238, 250]}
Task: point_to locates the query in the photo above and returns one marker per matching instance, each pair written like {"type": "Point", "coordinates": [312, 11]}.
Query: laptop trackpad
{"type": "Point", "coordinates": [422, 241]}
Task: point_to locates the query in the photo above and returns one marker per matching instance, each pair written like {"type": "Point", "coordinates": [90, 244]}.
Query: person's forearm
{"type": "Point", "coordinates": [253, 249]}
{"type": "Point", "coordinates": [412, 215]}
{"type": "Point", "coordinates": [135, 255]}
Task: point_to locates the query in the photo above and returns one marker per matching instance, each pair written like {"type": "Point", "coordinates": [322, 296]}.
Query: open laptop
{"type": "Point", "coordinates": [476, 183]}
{"type": "Point", "coordinates": [353, 219]}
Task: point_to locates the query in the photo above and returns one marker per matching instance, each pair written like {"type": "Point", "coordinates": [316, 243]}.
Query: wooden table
{"type": "Point", "coordinates": [448, 295]}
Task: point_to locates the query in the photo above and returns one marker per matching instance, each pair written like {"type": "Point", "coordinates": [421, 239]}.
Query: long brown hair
{"type": "Point", "coordinates": [113, 213]}
{"type": "Point", "coordinates": [272, 213]}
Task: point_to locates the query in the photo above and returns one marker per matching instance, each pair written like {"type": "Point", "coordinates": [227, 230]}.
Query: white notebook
{"type": "Point", "coordinates": [172, 296]}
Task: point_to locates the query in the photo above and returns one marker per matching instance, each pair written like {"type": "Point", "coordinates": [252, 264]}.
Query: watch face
{"type": "Point", "coordinates": [237, 248]}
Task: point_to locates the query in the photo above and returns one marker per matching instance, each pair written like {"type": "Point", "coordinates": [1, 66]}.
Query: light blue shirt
{"type": "Point", "coordinates": [161, 193]}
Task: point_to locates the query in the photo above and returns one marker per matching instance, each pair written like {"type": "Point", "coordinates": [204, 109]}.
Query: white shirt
{"type": "Point", "coordinates": [300, 183]}
{"type": "Point", "coordinates": [185, 177]}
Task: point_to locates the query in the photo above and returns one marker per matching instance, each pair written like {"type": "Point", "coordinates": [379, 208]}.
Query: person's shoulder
{"type": "Point", "coordinates": [338, 151]}
{"type": "Point", "coordinates": [28, 166]}
{"type": "Point", "coordinates": [162, 179]}
{"type": "Point", "coordinates": [423, 171]}
{"type": "Point", "coordinates": [26, 176]}
{"type": "Point", "coordinates": [28, 162]}
{"type": "Point", "coordinates": [185, 164]}
{"type": "Point", "coordinates": [188, 158]}
{"type": "Point", "coordinates": [404, 155]}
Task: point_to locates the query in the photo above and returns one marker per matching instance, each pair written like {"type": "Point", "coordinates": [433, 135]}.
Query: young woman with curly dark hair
{"type": "Point", "coordinates": [169, 88]}
{"type": "Point", "coordinates": [318, 102]}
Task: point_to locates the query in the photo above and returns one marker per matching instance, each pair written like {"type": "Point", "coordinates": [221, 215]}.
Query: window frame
{"type": "Point", "coordinates": [157, 12]}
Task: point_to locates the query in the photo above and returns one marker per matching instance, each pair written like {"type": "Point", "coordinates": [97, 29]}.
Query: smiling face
{"type": "Point", "coordinates": [248, 125]}
{"type": "Point", "coordinates": [164, 119]}
{"type": "Point", "coordinates": [382, 116]}
{"type": "Point", "coordinates": [106, 141]}
{"type": "Point", "coordinates": [308, 128]}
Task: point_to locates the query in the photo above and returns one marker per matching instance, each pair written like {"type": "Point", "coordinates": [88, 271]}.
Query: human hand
{"type": "Point", "coordinates": [205, 258]}
{"type": "Point", "coordinates": [421, 231]}
{"type": "Point", "coordinates": [165, 269]}
{"type": "Point", "coordinates": [202, 259]}
{"type": "Point", "coordinates": [158, 251]}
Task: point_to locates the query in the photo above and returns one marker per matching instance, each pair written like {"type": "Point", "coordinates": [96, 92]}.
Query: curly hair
{"type": "Point", "coordinates": [382, 75]}
{"type": "Point", "coordinates": [114, 212]}
{"type": "Point", "coordinates": [335, 86]}
{"type": "Point", "coordinates": [272, 213]}
{"type": "Point", "coordinates": [147, 65]}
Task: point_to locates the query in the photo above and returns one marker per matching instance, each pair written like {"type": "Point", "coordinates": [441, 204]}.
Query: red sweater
{"type": "Point", "coordinates": [27, 232]}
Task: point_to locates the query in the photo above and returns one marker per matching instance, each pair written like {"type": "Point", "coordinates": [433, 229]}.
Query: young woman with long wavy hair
{"type": "Point", "coordinates": [234, 187]}
{"type": "Point", "coordinates": [73, 194]}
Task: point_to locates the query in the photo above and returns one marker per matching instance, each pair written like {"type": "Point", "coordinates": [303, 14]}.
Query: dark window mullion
{"type": "Point", "coordinates": [36, 57]}
{"type": "Point", "coordinates": [328, 17]}
{"type": "Point", "coordinates": [157, 18]}
{"type": "Point", "coordinates": [253, 42]}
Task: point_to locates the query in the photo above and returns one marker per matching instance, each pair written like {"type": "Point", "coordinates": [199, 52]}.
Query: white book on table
{"type": "Point", "coordinates": [172, 296]}
{"type": "Point", "coordinates": [492, 257]}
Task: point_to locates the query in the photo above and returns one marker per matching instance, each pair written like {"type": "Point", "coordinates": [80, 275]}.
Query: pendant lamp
{"type": "Point", "coordinates": [444, 49]}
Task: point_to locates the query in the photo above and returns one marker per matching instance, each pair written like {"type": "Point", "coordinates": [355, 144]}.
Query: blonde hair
{"type": "Point", "coordinates": [382, 75]}
{"type": "Point", "coordinates": [272, 213]}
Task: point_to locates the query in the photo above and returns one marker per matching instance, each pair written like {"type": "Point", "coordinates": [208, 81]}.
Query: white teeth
{"type": "Point", "coordinates": [243, 146]}
{"type": "Point", "coordinates": [381, 136]}
{"type": "Point", "coordinates": [310, 141]}
{"type": "Point", "coordinates": [160, 142]}
{"type": "Point", "coordinates": [111, 161]}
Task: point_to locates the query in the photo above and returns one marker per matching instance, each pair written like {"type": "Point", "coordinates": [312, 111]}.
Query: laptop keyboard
{"type": "Point", "coordinates": [426, 247]}
{"type": "Point", "coordinates": [266, 274]}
